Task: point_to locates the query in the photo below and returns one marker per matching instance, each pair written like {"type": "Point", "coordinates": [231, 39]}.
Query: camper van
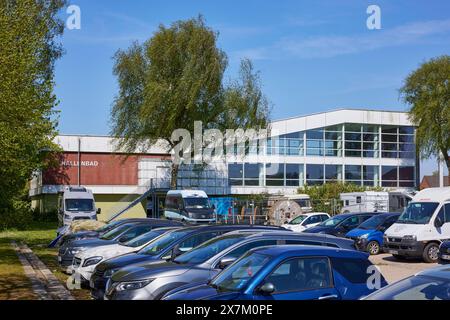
{"type": "Point", "coordinates": [190, 206]}
{"type": "Point", "coordinates": [422, 227]}
{"type": "Point", "coordinates": [373, 201]}
{"type": "Point", "coordinates": [76, 203]}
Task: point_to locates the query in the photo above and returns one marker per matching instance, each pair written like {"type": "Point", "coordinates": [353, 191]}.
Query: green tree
{"type": "Point", "coordinates": [176, 78]}
{"type": "Point", "coordinates": [427, 91]}
{"type": "Point", "coordinates": [28, 31]}
{"type": "Point", "coordinates": [326, 197]}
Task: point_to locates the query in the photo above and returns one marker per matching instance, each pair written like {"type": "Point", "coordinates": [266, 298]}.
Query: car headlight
{"type": "Point", "coordinates": [91, 261]}
{"type": "Point", "coordinates": [109, 272]}
{"type": "Point", "coordinates": [364, 236]}
{"type": "Point", "coordinates": [410, 238]}
{"type": "Point", "coordinates": [134, 285]}
{"type": "Point", "coordinates": [74, 251]}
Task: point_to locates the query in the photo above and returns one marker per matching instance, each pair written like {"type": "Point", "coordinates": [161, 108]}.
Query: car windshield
{"type": "Point", "coordinates": [415, 288]}
{"type": "Point", "coordinates": [196, 203]}
{"type": "Point", "coordinates": [332, 222]}
{"type": "Point", "coordinates": [208, 249]}
{"type": "Point", "coordinates": [79, 205]}
{"type": "Point", "coordinates": [418, 213]}
{"type": "Point", "coordinates": [108, 226]}
{"type": "Point", "coordinates": [163, 242]}
{"type": "Point", "coordinates": [112, 234]}
{"type": "Point", "coordinates": [143, 239]}
{"type": "Point", "coordinates": [236, 276]}
{"type": "Point", "coordinates": [373, 223]}
{"type": "Point", "coordinates": [299, 219]}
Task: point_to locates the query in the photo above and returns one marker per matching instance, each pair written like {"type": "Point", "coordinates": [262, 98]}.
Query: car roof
{"type": "Point", "coordinates": [442, 272]}
{"type": "Point", "coordinates": [230, 227]}
{"type": "Point", "coordinates": [351, 214]}
{"type": "Point", "coordinates": [308, 250]}
{"type": "Point", "coordinates": [309, 214]}
{"type": "Point", "coordinates": [301, 235]}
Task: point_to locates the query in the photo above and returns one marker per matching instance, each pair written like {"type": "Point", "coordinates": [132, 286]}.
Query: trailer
{"type": "Point", "coordinates": [374, 201]}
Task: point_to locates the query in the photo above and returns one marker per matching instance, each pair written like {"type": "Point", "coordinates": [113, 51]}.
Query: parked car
{"type": "Point", "coordinates": [422, 227]}
{"type": "Point", "coordinates": [121, 233]}
{"type": "Point", "coordinates": [99, 232]}
{"type": "Point", "coordinates": [368, 236]}
{"type": "Point", "coordinates": [294, 272]}
{"type": "Point", "coordinates": [305, 221]}
{"type": "Point", "coordinates": [431, 284]}
{"type": "Point", "coordinates": [85, 261]}
{"type": "Point", "coordinates": [166, 247]}
{"type": "Point", "coordinates": [152, 280]}
{"type": "Point", "coordinates": [341, 224]}
{"type": "Point", "coordinates": [444, 252]}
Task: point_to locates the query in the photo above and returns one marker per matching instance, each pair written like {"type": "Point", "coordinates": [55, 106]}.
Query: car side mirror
{"type": "Point", "coordinates": [267, 288]}
{"type": "Point", "coordinates": [176, 252]}
{"type": "Point", "coordinates": [99, 210]}
{"type": "Point", "coordinates": [438, 222]}
{"type": "Point", "coordinates": [225, 262]}
{"type": "Point", "coordinates": [124, 239]}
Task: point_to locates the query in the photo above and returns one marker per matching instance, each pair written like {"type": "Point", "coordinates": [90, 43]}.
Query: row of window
{"type": "Point", "coordinates": [295, 175]}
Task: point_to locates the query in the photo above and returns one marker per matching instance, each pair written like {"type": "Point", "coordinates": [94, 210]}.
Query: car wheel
{"type": "Point", "coordinates": [373, 248]}
{"type": "Point", "coordinates": [431, 253]}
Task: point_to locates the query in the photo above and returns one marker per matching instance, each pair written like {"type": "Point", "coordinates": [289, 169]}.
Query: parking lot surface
{"type": "Point", "coordinates": [394, 270]}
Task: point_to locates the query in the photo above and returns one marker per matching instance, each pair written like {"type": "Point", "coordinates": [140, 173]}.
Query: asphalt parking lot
{"type": "Point", "coordinates": [395, 270]}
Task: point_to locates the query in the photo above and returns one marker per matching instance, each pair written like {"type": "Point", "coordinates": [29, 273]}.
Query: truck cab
{"type": "Point", "coordinates": [76, 203]}
{"type": "Point", "coordinates": [422, 227]}
{"type": "Point", "coordinates": [191, 206]}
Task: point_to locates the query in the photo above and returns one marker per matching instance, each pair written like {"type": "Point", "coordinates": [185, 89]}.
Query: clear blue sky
{"type": "Point", "coordinates": [313, 55]}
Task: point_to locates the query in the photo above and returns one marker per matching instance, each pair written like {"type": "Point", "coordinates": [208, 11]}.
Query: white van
{"type": "Point", "coordinates": [76, 203]}
{"type": "Point", "coordinates": [422, 227]}
{"type": "Point", "coordinates": [190, 206]}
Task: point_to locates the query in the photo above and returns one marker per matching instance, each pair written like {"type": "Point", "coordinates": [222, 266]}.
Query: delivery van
{"type": "Point", "coordinates": [190, 206]}
{"type": "Point", "coordinates": [76, 203]}
{"type": "Point", "coordinates": [422, 227]}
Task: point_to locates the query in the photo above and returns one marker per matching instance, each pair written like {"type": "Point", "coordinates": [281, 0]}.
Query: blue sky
{"type": "Point", "coordinates": [313, 55]}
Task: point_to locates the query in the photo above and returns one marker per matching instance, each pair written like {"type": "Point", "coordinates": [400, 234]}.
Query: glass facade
{"type": "Point", "coordinates": [348, 140]}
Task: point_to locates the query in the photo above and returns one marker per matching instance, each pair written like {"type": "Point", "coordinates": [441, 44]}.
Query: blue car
{"type": "Point", "coordinates": [369, 235]}
{"type": "Point", "coordinates": [444, 253]}
{"type": "Point", "coordinates": [431, 284]}
{"type": "Point", "coordinates": [290, 272]}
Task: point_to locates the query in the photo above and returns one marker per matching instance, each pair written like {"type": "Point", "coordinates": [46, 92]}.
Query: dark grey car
{"type": "Point", "coordinates": [153, 280]}
{"type": "Point", "coordinates": [122, 233]}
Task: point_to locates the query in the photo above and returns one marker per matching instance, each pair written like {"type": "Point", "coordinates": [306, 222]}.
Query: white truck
{"type": "Point", "coordinates": [374, 201]}
{"type": "Point", "coordinates": [422, 227]}
{"type": "Point", "coordinates": [76, 203]}
{"type": "Point", "coordinates": [191, 206]}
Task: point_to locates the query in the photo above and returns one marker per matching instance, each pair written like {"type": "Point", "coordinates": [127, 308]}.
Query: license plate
{"type": "Point", "coordinates": [445, 256]}
{"type": "Point", "coordinates": [393, 251]}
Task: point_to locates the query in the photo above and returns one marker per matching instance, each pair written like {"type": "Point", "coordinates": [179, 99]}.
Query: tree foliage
{"type": "Point", "coordinates": [326, 197]}
{"type": "Point", "coordinates": [427, 91]}
{"type": "Point", "coordinates": [28, 31]}
{"type": "Point", "coordinates": [176, 78]}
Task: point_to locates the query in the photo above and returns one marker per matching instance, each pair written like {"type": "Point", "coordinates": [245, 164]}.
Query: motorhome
{"type": "Point", "coordinates": [422, 227]}
{"type": "Point", "coordinates": [374, 201]}
{"type": "Point", "coordinates": [76, 203]}
{"type": "Point", "coordinates": [191, 206]}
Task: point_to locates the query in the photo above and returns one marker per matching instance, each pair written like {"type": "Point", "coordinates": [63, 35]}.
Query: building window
{"type": "Point", "coordinates": [235, 174]}
{"type": "Point", "coordinates": [389, 176]}
{"type": "Point", "coordinates": [314, 174]}
{"type": "Point", "coordinates": [294, 175]}
{"type": "Point", "coordinates": [252, 174]}
{"type": "Point", "coordinates": [275, 174]}
{"type": "Point", "coordinates": [406, 177]}
{"type": "Point", "coordinates": [333, 172]}
{"type": "Point", "coordinates": [353, 174]}
{"type": "Point", "coordinates": [370, 175]}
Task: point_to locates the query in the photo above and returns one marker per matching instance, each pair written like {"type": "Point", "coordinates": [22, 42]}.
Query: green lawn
{"type": "Point", "coordinates": [13, 282]}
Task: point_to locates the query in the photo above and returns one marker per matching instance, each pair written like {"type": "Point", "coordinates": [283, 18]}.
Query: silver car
{"type": "Point", "coordinates": [151, 281]}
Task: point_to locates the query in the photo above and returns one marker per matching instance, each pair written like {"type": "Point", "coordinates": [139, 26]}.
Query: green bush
{"type": "Point", "coordinates": [18, 216]}
{"type": "Point", "coordinates": [325, 198]}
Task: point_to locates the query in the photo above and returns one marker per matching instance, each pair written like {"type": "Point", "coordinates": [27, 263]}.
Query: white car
{"type": "Point", "coordinates": [85, 261]}
{"type": "Point", "coordinates": [305, 221]}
